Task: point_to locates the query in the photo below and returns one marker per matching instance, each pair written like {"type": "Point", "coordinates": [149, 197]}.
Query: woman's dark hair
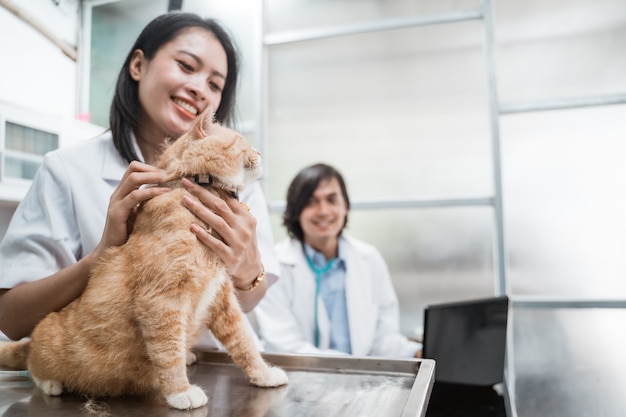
{"type": "Point", "coordinates": [300, 191]}
{"type": "Point", "coordinates": [125, 108]}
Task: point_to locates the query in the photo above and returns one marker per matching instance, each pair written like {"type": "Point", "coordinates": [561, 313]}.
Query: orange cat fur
{"type": "Point", "coordinates": [132, 329]}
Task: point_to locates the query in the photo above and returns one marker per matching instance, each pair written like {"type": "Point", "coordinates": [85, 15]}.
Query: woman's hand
{"type": "Point", "coordinates": [125, 200]}
{"type": "Point", "coordinates": [237, 227]}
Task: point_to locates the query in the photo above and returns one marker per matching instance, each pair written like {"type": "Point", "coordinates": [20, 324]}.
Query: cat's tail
{"type": "Point", "coordinates": [14, 354]}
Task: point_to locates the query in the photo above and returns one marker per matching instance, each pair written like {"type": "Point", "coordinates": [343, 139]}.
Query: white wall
{"type": "Point", "coordinates": [35, 73]}
{"type": "Point", "coordinates": [38, 82]}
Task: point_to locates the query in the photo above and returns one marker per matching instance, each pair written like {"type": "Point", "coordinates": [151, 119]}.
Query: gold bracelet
{"type": "Point", "coordinates": [255, 283]}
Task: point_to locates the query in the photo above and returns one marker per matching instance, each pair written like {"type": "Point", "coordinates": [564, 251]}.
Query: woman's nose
{"type": "Point", "coordinates": [197, 94]}
{"type": "Point", "coordinates": [198, 89]}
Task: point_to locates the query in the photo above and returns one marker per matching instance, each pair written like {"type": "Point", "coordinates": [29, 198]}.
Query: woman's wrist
{"type": "Point", "coordinates": [251, 285]}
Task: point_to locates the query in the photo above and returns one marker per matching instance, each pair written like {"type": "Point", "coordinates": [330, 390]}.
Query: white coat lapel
{"type": "Point", "coordinates": [362, 314]}
{"type": "Point", "coordinates": [324, 324]}
{"type": "Point", "coordinates": [113, 165]}
{"type": "Point", "coordinates": [304, 296]}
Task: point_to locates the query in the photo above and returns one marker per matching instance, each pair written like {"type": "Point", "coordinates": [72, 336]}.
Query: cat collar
{"type": "Point", "coordinates": [207, 180]}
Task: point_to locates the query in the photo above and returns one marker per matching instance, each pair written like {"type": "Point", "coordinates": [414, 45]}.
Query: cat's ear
{"type": "Point", "coordinates": [204, 123]}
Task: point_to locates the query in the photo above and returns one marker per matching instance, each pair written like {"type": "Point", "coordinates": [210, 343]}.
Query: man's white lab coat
{"type": "Point", "coordinates": [285, 316]}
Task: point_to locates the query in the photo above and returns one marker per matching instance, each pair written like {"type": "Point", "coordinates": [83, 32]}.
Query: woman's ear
{"type": "Point", "coordinates": [136, 64]}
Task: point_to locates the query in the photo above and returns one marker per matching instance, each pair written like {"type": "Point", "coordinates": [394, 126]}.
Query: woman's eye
{"type": "Point", "coordinates": [185, 66]}
{"type": "Point", "coordinates": [215, 86]}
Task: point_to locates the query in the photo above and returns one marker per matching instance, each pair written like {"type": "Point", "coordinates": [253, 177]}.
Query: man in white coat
{"type": "Point", "coordinates": [335, 294]}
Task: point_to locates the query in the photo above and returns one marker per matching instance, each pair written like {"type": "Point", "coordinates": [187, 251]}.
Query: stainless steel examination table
{"type": "Point", "coordinates": [318, 386]}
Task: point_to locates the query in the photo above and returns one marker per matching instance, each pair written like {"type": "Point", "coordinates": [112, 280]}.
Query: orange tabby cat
{"type": "Point", "coordinates": [132, 329]}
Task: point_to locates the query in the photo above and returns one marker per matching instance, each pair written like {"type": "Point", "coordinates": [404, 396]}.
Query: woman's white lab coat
{"type": "Point", "coordinates": [285, 316]}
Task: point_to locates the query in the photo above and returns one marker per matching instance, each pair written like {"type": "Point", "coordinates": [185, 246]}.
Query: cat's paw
{"type": "Point", "coordinates": [194, 397]}
{"type": "Point", "coordinates": [190, 358]}
{"type": "Point", "coordinates": [269, 377]}
{"type": "Point", "coordinates": [50, 386]}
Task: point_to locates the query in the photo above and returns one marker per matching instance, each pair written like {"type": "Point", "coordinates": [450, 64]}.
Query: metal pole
{"type": "Point", "coordinates": [494, 114]}
{"type": "Point", "coordinates": [369, 27]}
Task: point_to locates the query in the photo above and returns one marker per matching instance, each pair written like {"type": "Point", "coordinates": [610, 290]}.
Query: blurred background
{"type": "Point", "coordinates": [483, 145]}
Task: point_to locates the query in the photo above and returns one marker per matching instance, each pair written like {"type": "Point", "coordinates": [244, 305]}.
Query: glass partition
{"type": "Point", "coordinates": [288, 15]}
{"type": "Point", "coordinates": [433, 254]}
{"type": "Point", "coordinates": [564, 174]}
{"type": "Point", "coordinates": [114, 28]}
{"type": "Point", "coordinates": [401, 113]}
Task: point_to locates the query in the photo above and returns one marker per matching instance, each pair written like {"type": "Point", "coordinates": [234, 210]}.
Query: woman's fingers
{"type": "Point", "coordinates": [216, 223]}
{"type": "Point", "coordinates": [233, 223]}
{"type": "Point", "coordinates": [125, 199]}
{"type": "Point", "coordinates": [136, 175]}
{"type": "Point", "coordinates": [214, 210]}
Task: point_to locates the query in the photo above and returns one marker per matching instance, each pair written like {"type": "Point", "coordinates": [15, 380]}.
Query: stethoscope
{"type": "Point", "coordinates": [318, 279]}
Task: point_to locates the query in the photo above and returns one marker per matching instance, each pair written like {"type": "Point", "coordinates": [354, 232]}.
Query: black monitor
{"type": "Point", "coordinates": [467, 340]}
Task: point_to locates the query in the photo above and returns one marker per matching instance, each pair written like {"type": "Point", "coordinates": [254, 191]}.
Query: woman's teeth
{"type": "Point", "coordinates": [191, 109]}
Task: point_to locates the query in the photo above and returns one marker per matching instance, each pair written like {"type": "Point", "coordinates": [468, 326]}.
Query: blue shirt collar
{"type": "Point", "coordinates": [318, 258]}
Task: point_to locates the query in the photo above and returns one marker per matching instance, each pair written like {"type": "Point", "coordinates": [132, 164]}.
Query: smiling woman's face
{"type": "Point", "coordinates": [185, 76]}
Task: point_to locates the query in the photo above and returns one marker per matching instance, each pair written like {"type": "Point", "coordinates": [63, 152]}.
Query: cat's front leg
{"type": "Point", "coordinates": [190, 358]}
{"type": "Point", "coordinates": [228, 326]}
{"type": "Point", "coordinates": [194, 397]}
{"type": "Point", "coordinates": [164, 334]}
{"type": "Point", "coordinates": [268, 376]}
